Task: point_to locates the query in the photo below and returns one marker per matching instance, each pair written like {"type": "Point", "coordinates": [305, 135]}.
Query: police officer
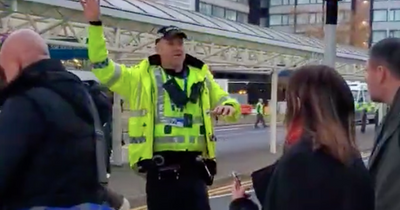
{"type": "Point", "coordinates": [260, 113]}
{"type": "Point", "coordinates": [172, 96]}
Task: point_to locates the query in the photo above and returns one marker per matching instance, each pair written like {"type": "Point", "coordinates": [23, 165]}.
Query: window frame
{"type": "Point", "coordinates": [377, 10]}
{"type": "Point", "coordinates": [378, 31]}
{"type": "Point", "coordinates": [205, 5]}
{"type": "Point", "coordinates": [394, 15]}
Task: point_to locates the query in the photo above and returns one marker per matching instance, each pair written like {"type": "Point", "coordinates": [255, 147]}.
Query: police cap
{"type": "Point", "coordinates": [170, 32]}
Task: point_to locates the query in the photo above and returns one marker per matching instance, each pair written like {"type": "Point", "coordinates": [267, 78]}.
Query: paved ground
{"type": "Point", "coordinates": [240, 148]}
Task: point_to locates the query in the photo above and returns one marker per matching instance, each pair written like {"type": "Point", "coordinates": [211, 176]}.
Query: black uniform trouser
{"type": "Point", "coordinates": [184, 193]}
{"type": "Point", "coordinates": [364, 121]}
{"type": "Point", "coordinates": [260, 118]}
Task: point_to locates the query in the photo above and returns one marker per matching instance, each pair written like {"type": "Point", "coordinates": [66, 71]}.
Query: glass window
{"type": "Point", "coordinates": [243, 1]}
{"type": "Point", "coordinates": [291, 2]}
{"type": "Point", "coordinates": [320, 1]}
{"type": "Point", "coordinates": [302, 18]}
{"type": "Point", "coordinates": [285, 2]}
{"type": "Point", "coordinates": [242, 17]}
{"type": "Point", "coordinates": [313, 18]}
{"type": "Point", "coordinates": [313, 1]}
{"type": "Point", "coordinates": [394, 15]}
{"type": "Point", "coordinates": [218, 11]}
{"type": "Point", "coordinates": [205, 8]}
{"type": "Point", "coordinates": [285, 19]}
{"type": "Point", "coordinates": [378, 35]}
{"type": "Point", "coordinates": [275, 2]}
{"type": "Point", "coordinates": [394, 33]}
{"type": "Point", "coordinates": [275, 20]}
{"type": "Point", "coordinates": [379, 15]}
{"type": "Point", "coordinates": [231, 14]}
{"type": "Point", "coordinates": [303, 1]}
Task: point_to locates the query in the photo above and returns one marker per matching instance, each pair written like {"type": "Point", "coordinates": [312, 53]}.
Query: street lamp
{"type": "Point", "coordinates": [331, 11]}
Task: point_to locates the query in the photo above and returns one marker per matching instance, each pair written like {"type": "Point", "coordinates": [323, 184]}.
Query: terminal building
{"type": "Point", "coordinates": [385, 19]}
{"type": "Point", "coordinates": [361, 23]}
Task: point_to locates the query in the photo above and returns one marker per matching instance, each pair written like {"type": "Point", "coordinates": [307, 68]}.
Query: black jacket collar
{"type": "Point", "coordinates": [30, 77]}
{"type": "Point", "coordinates": [189, 61]}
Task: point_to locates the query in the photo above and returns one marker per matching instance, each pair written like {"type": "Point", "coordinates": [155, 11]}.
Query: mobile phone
{"type": "Point", "coordinates": [236, 177]}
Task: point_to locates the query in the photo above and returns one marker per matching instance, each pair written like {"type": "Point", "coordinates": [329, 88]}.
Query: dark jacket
{"type": "Point", "coordinates": [104, 108]}
{"type": "Point", "coordinates": [102, 101]}
{"type": "Point", "coordinates": [384, 163]}
{"type": "Point", "coordinates": [304, 179]}
{"type": "Point", "coordinates": [47, 147]}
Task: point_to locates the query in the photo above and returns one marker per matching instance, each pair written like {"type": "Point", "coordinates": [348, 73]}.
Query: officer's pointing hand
{"type": "Point", "coordinates": [224, 110]}
{"type": "Point", "coordinates": [91, 10]}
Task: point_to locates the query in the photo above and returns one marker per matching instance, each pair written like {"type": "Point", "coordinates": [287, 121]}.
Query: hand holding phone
{"type": "Point", "coordinates": [235, 176]}
{"type": "Point", "coordinates": [237, 190]}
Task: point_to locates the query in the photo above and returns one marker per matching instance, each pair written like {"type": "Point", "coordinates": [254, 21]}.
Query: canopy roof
{"type": "Point", "coordinates": [131, 26]}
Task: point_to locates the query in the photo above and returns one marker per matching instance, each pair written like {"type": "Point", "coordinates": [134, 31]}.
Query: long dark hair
{"type": "Point", "coordinates": [321, 100]}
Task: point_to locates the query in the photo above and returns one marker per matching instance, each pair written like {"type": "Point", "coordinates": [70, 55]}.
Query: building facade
{"type": "Point", "coordinates": [385, 21]}
{"type": "Point", "coordinates": [295, 16]}
{"type": "Point", "coordinates": [307, 17]}
{"type": "Point", "coordinates": [182, 4]}
{"type": "Point", "coordinates": [234, 10]}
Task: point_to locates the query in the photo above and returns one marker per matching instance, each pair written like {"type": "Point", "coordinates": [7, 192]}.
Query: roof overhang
{"type": "Point", "coordinates": [224, 45]}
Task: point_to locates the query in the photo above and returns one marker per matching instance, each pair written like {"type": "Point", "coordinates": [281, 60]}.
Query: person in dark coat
{"type": "Point", "coordinates": [101, 99]}
{"type": "Point", "coordinates": [323, 169]}
{"type": "Point", "coordinates": [47, 146]}
{"type": "Point", "coordinates": [104, 108]}
{"type": "Point", "coordinates": [383, 80]}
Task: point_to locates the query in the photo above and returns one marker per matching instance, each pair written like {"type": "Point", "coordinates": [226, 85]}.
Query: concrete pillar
{"type": "Point", "coordinates": [273, 110]}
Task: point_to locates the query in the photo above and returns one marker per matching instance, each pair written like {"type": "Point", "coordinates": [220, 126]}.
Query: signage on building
{"type": "Point", "coordinates": [63, 52]}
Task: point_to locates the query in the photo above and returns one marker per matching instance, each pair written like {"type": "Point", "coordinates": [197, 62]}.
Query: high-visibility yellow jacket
{"type": "Point", "coordinates": [150, 105]}
{"type": "Point", "coordinates": [260, 108]}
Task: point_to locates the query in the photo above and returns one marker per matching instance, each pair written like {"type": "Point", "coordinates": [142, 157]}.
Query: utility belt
{"type": "Point", "coordinates": [175, 167]}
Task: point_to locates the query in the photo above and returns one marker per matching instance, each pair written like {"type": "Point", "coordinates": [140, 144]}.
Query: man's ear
{"type": "Point", "coordinates": [383, 74]}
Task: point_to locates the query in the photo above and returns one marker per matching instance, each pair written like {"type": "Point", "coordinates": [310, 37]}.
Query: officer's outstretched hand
{"type": "Point", "coordinates": [224, 110]}
{"type": "Point", "coordinates": [91, 10]}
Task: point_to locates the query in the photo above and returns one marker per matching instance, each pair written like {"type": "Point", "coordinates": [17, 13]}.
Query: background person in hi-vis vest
{"type": "Point", "coordinates": [172, 96]}
{"type": "Point", "coordinates": [260, 113]}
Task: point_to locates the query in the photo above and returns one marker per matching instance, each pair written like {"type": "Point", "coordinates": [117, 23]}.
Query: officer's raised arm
{"type": "Point", "coordinates": [117, 77]}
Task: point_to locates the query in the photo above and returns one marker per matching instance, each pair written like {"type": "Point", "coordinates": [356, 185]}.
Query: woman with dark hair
{"type": "Point", "coordinates": [321, 168]}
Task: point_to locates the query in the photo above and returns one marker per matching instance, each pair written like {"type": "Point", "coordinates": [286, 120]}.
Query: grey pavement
{"type": "Point", "coordinates": [239, 148]}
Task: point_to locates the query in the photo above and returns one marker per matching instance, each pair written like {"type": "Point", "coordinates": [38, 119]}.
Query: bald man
{"type": "Point", "coordinates": [47, 149]}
